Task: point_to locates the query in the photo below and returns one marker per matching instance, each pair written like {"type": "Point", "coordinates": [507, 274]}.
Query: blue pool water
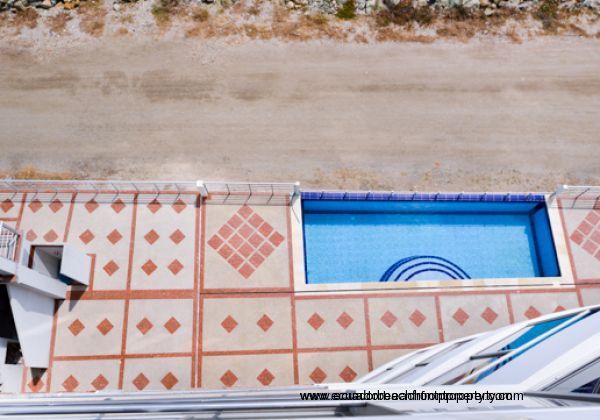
{"type": "Point", "coordinates": [370, 241]}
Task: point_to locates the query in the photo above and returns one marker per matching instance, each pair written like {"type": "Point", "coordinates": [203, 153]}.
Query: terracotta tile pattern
{"type": "Point", "coordinates": [587, 234]}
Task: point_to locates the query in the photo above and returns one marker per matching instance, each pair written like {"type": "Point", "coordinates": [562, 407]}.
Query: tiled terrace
{"type": "Point", "coordinates": [190, 293]}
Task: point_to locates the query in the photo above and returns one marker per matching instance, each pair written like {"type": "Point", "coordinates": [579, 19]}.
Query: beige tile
{"type": "Point", "coordinates": [85, 375]}
{"type": "Point", "coordinates": [403, 320]}
{"type": "Point", "coordinates": [583, 229]}
{"type": "Point", "coordinates": [246, 323]}
{"type": "Point", "coordinates": [247, 371]}
{"type": "Point", "coordinates": [381, 357]}
{"type": "Point", "coordinates": [531, 305]}
{"type": "Point", "coordinates": [10, 204]}
{"type": "Point", "coordinates": [157, 374]}
{"type": "Point", "coordinates": [325, 323]}
{"type": "Point", "coordinates": [590, 295]}
{"type": "Point", "coordinates": [160, 326]}
{"type": "Point", "coordinates": [45, 217]}
{"type": "Point", "coordinates": [339, 366]}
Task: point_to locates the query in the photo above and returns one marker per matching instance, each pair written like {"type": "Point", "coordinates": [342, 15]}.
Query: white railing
{"type": "Point", "coordinates": [9, 239]}
{"type": "Point", "coordinates": [576, 197]}
{"type": "Point", "coordinates": [249, 192]}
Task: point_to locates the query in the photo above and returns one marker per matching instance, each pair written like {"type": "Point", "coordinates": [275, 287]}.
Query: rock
{"type": "Point", "coordinates": [488, 11]}
{"type": "Point", "coordinates": [46, 4]}
{"type": "Point", "coordinates": [592, 4]}
{"type": "Point", "coordinates": [116, 7]}
{"type": "Point", "coordinates": [471, 3]}
{"type": "Point", "coordinates": [484, 3]}
{"type": "Point", "coordinates": [19, 5]}
{"type": "Point", "coordinates": [290, 4]}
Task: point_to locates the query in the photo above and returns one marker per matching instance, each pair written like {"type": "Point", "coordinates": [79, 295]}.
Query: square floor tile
{"type": "Point", "coordinates": [85, 375]}
{"type": "Point", "coordinates": [247, 371]}
{"type": "Point", "coordinates": [157, 374]}
{"type": "Point", "coordinates": [531, 305]}
{"type": "Point", "coordinates": [338, 366]}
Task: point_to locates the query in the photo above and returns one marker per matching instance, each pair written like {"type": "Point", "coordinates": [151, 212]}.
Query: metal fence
{"type": "Point", "coordinates": [576, 197]}
{"type": "Point", "coordinates": [9, 238]}
{"type": "Point", "coordinates": [249, 193]}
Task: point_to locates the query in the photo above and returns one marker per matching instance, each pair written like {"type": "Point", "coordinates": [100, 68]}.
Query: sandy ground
{"type": "Point", "coordinates": [485, 115]}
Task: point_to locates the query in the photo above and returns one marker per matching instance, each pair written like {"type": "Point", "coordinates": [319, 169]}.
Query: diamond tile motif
{"type": "Point", "coordinates": [315, 321]}
{"type": "Point", "coordinates": [86, 236]}
{"type": "Point", "coordinates": [114, 236]}
{"type": "Point", "coordinates": [31, 235]}
{"type": "Point", "coordinates": [70, 384]}
{"type": "Point", "coordinates": [144, 326]}
{"type": "Point", "coordinates": [246, 240]}
{"type": "Point", "coordinates": [175, 267]}
{"type": "Point", "coordinates": [140, 381]}
{"type": "Point", "coordinates": [264, 322]}
{"type": "Point", "coordinates": [35, 205]}
{"type": "Point", "coordinates": [460, 316]}
{"type": "Point", "coordinates": [172, 325]}
{"type": "Point", "coordinates": [417, 318]}
{"type": "Point", "coordinates": [91, 205]}
{"type": "Point", "coordinates": [56, 205]}
{"type": "Point", "coordinates": [110, 267]}
{"type": "Point", "coordinates": [36, 384]}
{"type": "Point", "coordinates": [344, 320]}
{"type": "Point", "coordinates": [229, 323]}
{"type": "Point", "coordinates": [118, 205]}
{"type": "Point", "coordinates": [531, 313]}
{"type": "Point", "coordinates": [151, 237]}
{"type": "Point", "coordinates": [229, 379]}
{"type": "Point", "coordinates": [105, 326]}
{"type": "Point", "coordinates": [317, 375]}
{"type": "Point", "coordinates": [265, 377]}
{"type": "Point", "coordinates": [587, 234]}
{"type": "Point", "coordinates": [489, 315]}
{"type": "Point", "coordinates": [149, 267]}
{"type": "Point", "coordinates": [177, 237]}
{"type": "Point", "coordinates": [559, 308]}
{"type": "Point", "coordinates": [169, 380]}
{"type": "Point", "coordinates": [388, 319]}
{"type": "Point", "coordinates": [179, 206]}
{"type": "Point", "coordinates": [154, 206]}
{"type": "Point", "coordinates": [76, 327]}
{"type": "Point", "coordinates": [50, 236]}
{"type": "Point", "coordinates": [7, 205]}
{"type": "Point", "coordinates": [348, 374]}
{"type": "Point", "coordinates": [100, 382]}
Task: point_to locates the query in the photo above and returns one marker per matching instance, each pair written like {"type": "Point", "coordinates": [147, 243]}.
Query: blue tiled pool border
{"type": "Point", "coordinates": [404, 196]}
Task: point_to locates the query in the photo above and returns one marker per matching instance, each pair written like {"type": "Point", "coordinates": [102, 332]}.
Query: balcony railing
{"type": "Point", "coordinates": [9, 238]}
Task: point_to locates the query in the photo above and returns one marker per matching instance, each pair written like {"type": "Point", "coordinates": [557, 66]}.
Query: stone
{"type": "Point", "coordinates": [46, 4]}
{"type": "Point", "coordinates": [488, 11]}
{"type": "Point", "coordinates": [290, 4]}
{"type": "Point", "coordinates": [471, 3]}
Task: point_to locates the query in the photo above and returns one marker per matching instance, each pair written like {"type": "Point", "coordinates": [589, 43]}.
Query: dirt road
{"type": "Point", "coordinates": [477, 116]}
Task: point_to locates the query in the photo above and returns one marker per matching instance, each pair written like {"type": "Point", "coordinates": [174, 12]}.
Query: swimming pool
{"type": "Point", "coordinates": [396, 240]}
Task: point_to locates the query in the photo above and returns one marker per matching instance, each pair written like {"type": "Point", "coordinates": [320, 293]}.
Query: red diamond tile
{"type": "Point", "coordinates": [225, 251]}
{"type": "Point", "coordinates": [265, 377]}
{"type": "Point", "coordinates": [229, 379]}
{"type": "Point", "coordinates": [257, 259]}
{"type": "Point", "coordinates": [235, 241]}
{"type": "Point", "coordinates": [172, 325]}
{"type": "Point", "coordinates": [598, 255]}
{"type": "Point", "coordinates": [7, 205]}
{"type": "Point", "coordinates": [154, 206]}
{"type": "Point", "coordinates": [577, 237]}
{"type": "Point", "coordinates": [596, 236]}
{"type": "Point", "coordinates": [235, 260]}
{"type": "Point", "coordinates": [100, 382]}
{"type": "Point", "coordinates": [151, 236]}
{"type": "Point", "coordinates": [86, 236]}
{"type": "Point", "coordinates": [348, 374]}
{"type": "Point", "coordinates": [70, 384]}
{"type": "Point", "coordinates": [110, 267]}
{"type": "Point", "coordinates": [417, 318]}
{"type": "Point", "coordinates": [144, 326]}
{"type": "Point", "coordinates": [104, 327]}
{"type": "Point", "coordinates": [315, 321]}
{"type": "Point", "coordinates": [585, 227]}
{"type": "Point", "coordinates": [31, 235]}
{"type": "Point", "coordinates": [169, 380]}
{"type": "Point", "coordinates": [114, 236]}
{"type": "Point", "coordinates": [264, 322]}
{"type": "Point", "coordinates": [215, 242]}
{"type": "Point", "coordinates": [245, 250]}
{"type": "Point", "coordinates": [246, 270]}
{"type": "Point", "coordinates": [344, 320]}
{"type": "Point", "coordinates": [560, 308]}
{"type": "Point", "coordinates": [141, 381]}
{"type": "Point", "coordinates": [35, 205]}
{"type": "Point", "coordinates": [460, 316]}
{"type": "Point", "coordinates": [56, 205]}
{"type": "Point", "coordinates": [177, 236]}
{"type": "Point", "coordinates": [118, 205]}
{"type": "Point", "coordinates": [276, 238]}
{"type": "Point", "coordinates": [266, 249]}
{"type": "Point", "coordinates": [593, 217]}
{"type": "Point", "coordinates": [489, 315]}
{"type": "Point", "coordinates": [225, 231]}
{"type": "Point", "coordinates": [91, 205]}
{"type": "Point", "coordinates": [317, 375]}
{"type": "Point", "coordinates": [245, 231]}
{"type": "Point", "coordinates": [256, 220]}
{"type": "Point", "coordinates": [255, 240]}
{"type": "Point", "coordinates": [229, 323]}
{"type": "Point", "coordinates": [149, 267]}
{"type": "Point", "coordinates": [175, 267]}
{"type": "Point", "coordinates": [76, 327]}
{"type": "Point", "coordinates": [245, 211]}
{"type": "Point", "coordinates": [235, 221]}
{"type": "Point", "coordinates": [590, 247]}
{"type": "Point", "coordinates": [532, 312]}
{"type": "Point", "coordinates": [179, 206]}
{"type": "Point", "coordinates": [36, 384]}
{"type": "Point", "coordinates": [265, 229]}
{"type": "Point", "coordinates": [50, 236]}
{"type": "Point", "coordinates": [388, 319]}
